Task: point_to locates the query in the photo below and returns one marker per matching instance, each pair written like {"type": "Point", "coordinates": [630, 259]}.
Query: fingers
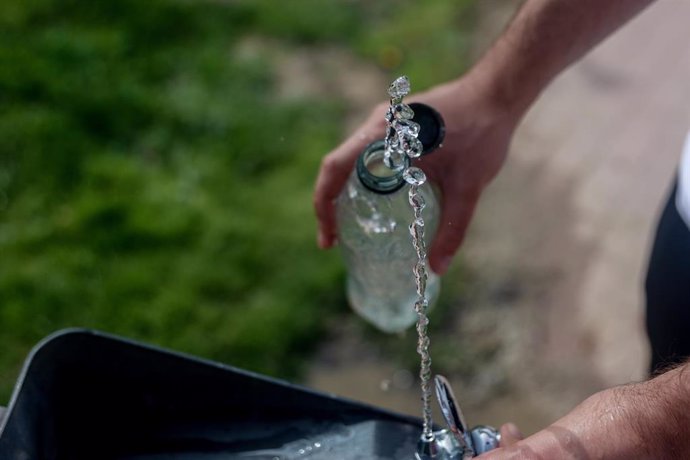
{"type": "Point", "coordinates": [513, 447]}
{"type": "Point", "coordinates": [457, 213]}
{"type": "Point", "coordinates": [331, 178]}
{"type": "Point", "coordinates": [335, 169]}
{"type": "Point", "coordinates": [510, 434]}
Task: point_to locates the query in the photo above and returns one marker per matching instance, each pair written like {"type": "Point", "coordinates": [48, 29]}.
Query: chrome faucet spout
{"type": "Point", "coordinates": [457, 442]}
{"type": "Point", "coordinates": [452, 413]}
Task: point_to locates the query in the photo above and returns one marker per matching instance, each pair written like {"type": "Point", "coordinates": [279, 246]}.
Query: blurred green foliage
{"type": "Point", "coordinates": [152, 184]}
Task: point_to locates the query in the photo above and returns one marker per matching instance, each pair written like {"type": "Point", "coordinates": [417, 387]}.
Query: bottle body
{"type": "Point", "coordinates": [373, 234]}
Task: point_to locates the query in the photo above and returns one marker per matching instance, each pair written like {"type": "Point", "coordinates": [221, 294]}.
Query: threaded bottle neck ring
{"type": "Point", "coordinates": [373, 172]}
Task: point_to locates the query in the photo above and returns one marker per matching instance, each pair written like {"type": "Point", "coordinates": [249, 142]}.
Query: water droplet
{"type": "Point", "coordinates": [390, 133]}
{"type": "Point", "coordinates": [391, 141]}
{"type": "Point", "coordinates": [394, 160]}
{"type": "Point", "coordinates": [416, 148]}
{"type": "Point", "coordinates": [420, 272]}
{"type": "Point", "coordinates": [416, 231]}
{"type": "Point", "coordinates": [401, 112]}
{"type": "Point", "coordinates": [416, 200]}
{"type": "Point", "coordinates": [414, 176]}
{"type": "Point", "coordinates": [406, 128]}
{"type": "Point", "coordinates": [399, 88]}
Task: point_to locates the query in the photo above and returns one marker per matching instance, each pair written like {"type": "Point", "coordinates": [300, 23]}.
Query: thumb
{"type": "Point", "coordinates": [455, 217]}
{"type": "Point", "coordinates": [510, 434]}
{"type": "Point", "coordinates": [509, 449]}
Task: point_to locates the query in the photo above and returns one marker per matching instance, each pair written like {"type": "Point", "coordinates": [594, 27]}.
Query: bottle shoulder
{"type": "Point", "coordinates": [362, 214]}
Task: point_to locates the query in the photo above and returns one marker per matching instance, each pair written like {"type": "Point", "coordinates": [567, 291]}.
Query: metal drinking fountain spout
{"type": "Point", "coordinates": [457, 442]}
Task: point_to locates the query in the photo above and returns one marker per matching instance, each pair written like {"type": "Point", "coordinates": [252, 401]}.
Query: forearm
{"type": "Point", "coordinates": [647, 420]}
{"type": "Point", "coordinates": [644, 421]}
{"type": "Point", "coordinates": [662, 413]}
{"type": "Point", "coordinates": [543, 39]}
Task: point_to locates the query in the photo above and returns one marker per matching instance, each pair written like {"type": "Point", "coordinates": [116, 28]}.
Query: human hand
{"type": "Point", "coordinates": [478, 132]}
{"type": "Point", "coordinates": [642, 421]}
{"type": "Point", "coordinates": [599, 428]}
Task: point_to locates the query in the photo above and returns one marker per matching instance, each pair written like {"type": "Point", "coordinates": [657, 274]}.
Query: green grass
{"type": "Point", "coordinates": [153, 185]}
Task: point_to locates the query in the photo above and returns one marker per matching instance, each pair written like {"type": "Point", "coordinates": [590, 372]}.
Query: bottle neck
{"type": "Point", "coordinates": [373, 172]}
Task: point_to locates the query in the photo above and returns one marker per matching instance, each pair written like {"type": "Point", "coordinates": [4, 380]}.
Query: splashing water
{"type": "Point", "coordinates": [401, 140]}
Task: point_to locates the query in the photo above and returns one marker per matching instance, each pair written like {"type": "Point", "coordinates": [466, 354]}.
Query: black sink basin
{"type": "Point", "coordinates": [89, 395]}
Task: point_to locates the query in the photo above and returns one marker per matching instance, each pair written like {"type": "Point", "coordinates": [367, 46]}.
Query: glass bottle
{"type": "Point", "coordinates": [373, 215]}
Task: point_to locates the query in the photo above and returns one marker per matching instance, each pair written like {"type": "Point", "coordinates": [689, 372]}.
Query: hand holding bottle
{"type": "Point", "coordinates": [375, 227]}
{"type": "Point", "coordinates": [478, 132]}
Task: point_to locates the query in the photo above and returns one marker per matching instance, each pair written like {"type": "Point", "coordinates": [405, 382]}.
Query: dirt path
{"type": "Point", "coordinates": [571, 216]}
{"type": "Point", "coordinates": [600, 149]}
{"type": "Point", "coordinates": [565, 229]}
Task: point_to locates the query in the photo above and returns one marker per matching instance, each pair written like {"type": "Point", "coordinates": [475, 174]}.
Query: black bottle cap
{"type": "Point", "coordinates": [432, 128]}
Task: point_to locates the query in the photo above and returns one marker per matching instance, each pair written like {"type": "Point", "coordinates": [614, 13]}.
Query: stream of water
{"type": "Point", "coordinates": [401, 140]}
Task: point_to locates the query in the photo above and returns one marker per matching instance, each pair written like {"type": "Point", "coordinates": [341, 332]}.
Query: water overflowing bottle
{"type": "Point", "coordinates": [373, 215]}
